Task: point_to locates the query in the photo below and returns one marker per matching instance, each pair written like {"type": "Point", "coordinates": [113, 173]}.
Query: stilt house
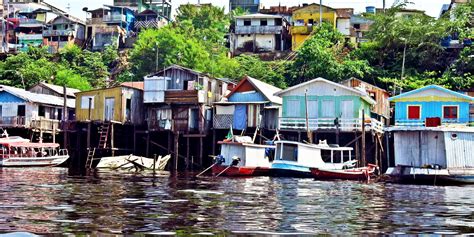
{"type": "Point", "coordinates": [180, 100]}
{"type": "Point", "coordinates": [325, 105]}
{"type": "Point", "coordinates": [431, 106]}
{"type": "Point", "coordinates": [249, 105]}
{"type": "Point", "coordinates": [121, 104]}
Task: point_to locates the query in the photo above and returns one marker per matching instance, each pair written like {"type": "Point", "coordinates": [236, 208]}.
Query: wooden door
{"type": "Point", "coordinates": [109, 108]}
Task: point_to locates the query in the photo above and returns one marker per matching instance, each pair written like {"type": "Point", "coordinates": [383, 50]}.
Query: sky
{"type": "Point", "coordinates": [432, 7]}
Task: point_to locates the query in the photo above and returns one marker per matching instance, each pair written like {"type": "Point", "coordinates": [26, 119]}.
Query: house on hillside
{"type": "Point", "coordinates": [381, 97]}
{"type": "Point", "coordinates": [251, 104]}
{"type": "Point", "coordinates": [121, 104]}
{"type": "Point", "coordinates": [343, 21]}
{"type": "Point", "coordinates": [306, 18]}
{"type": "Point", "coordinates": [20, 108]}
{"type": "Point", "coordinates": [50, 89]}
{"type": "Point", "coordinates": [328, 105]}
{"type": "Point", "coordinates": [180, 99]}
{"type": "Point", "coordinates": [149, 19]}
{"type": "Point", "coordinates": [260, 33]}
{"type": "Point", "coordinates": [62, 31]}
{"type": "Point", "coordinates": [431, 106]}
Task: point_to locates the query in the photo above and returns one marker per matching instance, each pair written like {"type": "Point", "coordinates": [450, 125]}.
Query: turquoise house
{"type": "Point", "coordinates": [328, 105]}
{"type": "Point", "coordinates": [431, 106]}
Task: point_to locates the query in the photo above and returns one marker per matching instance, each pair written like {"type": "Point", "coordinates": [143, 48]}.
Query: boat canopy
{"type": "Point", "coordinates": [34, 145]}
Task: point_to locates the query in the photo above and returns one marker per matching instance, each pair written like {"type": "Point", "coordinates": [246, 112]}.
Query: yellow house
{"type": "Point", "coordinates": [304, 20]}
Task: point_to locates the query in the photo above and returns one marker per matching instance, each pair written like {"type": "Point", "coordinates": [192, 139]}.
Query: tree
{"type": "Point", "coordinates": [71, 79]}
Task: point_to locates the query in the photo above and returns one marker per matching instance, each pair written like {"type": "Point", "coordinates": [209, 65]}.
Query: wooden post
{"type": "Point", "coordinates": [147, 151]}
{"type": "Point", "coordinates": [112, 135]}
{"type": "Point", "coordinates": [54, 134]}
{"type": "Point", "coordinates": [41, 131]}
{"type": "Point", "coordinates": [169, 142]}
{"type": "Point", "coordinates": [363, 139]}
{"type": "Point", "coordinates": [134, 139]}
{"type": "Point", "coordinates": [337, 136]}
{"type": "Point", "coordinates": [357, 147]}
{"type": "Point", "coordinates": [200, 151]}
{"type": "Point", "coordinates": [89, 127]}
{"type": "Point", "coordinates": [213, 141]}
{"type": "Point", "coordinates": [377, 151]}
{"type": "Point", "coordinates": [187, 153]}
{"type": "Point", "coordinates": [176, 150]}
{"type": "Point", "coordinates": [308, 130]}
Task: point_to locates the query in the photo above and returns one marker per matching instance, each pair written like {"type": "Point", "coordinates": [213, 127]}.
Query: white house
{"type": "Point", "coordinates": [259, 33]}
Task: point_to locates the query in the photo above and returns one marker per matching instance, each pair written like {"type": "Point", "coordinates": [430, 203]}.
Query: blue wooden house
{"type": "Point", "coordinates": [250, 104]}
{"type": "Point", "coordinates": [121, 16]}
{"type": "Point", "coordinates": [322, 101]}
{"type": "Point", "coordinates": [431, 106]}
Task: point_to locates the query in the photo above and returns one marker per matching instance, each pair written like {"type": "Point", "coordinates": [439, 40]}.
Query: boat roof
{"type": "Point", "coordinates": [34, 145]}
{"type": "Point", "coordinates": [317, 146]}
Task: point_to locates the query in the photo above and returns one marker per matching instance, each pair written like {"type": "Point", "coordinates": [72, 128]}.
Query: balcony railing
{"type": "Point", "coordinates": [30, 36]}
{"type": "Point", "coordinates": [302, 30]}
{"type": "Point", "coordinates": [329, 123]}
{"type": "Point", "coordinates": [114, 18]}
{"type": "Point", "coordinates": [258, 29]}
{"type": "Point", "coordinates": [422, 123]}
{"type": "Point", "coordinates": [45, 124]}
{"type": "Point", "coordinates": [13, 121]}
{"type": "Point", "coordinates": [30, 22]}
{"type": "Point", "coordinates": [48, 33]}
{"type": "Point", "coordinates": [139, 24]}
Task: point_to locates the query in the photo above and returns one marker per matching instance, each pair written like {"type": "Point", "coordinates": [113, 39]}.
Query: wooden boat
{"type": "Point", "coordinates": [361, 173]}
{"type": "Point", "coordinates": [133, 162]}
{"type": "Point", "coordinates": [20, 152]}
{"type": "Point", "coordinates": [295, 159]}
{"type": "Point", "coordinates": [241, 157]}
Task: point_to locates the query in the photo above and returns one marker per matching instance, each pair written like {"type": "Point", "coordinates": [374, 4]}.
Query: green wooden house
{"type": "Point", "coordinates": [326, 104]}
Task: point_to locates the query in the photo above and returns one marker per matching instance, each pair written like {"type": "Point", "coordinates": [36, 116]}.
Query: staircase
{"type": "Point", "coordinates": [104, 134]}
{"type": "Point", "coordinates": [90, 158]}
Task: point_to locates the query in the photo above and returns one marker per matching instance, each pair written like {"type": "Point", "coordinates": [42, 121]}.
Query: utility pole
{"type": "Point", "coordinates": [320, 12]}
{"type": "Point", "coordinates": [156, 58]}
{"type": "Point", "coordinates": [383, 6]}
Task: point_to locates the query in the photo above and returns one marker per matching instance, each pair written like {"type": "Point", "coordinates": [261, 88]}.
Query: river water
{"type": "Point", "coordinates": [49, 200]}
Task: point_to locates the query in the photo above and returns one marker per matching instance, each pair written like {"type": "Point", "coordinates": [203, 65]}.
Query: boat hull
{"type": "Point", "coordinates": [33, 161]}
{"type": "Point", "coordinates": [290, 170]}
{"type": "Point", "coordinates": [415, 175]}
{"type": "Point", "coordinates": [348, 174]}
{"type": "Point", "coordinates": [236, 171]}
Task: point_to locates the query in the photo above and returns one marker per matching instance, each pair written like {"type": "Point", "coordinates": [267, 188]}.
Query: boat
{"type": "Point", "coordinates": [295, 159]}
{"type": "Point", "coordinates": [241, 157]}
{"type": "Point", "coordinates": [20, 152]}
{"type": "Point", "coordinates": [361, 173]}
{"type": "Point", "coordinates": [133, 162]}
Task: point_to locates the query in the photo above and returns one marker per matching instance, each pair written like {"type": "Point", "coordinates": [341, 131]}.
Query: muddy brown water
{"type": "Point", "coordinates": [49, 200]}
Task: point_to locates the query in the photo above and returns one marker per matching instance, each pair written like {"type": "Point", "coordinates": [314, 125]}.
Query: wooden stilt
{"type": "Point", "coordinates": [376, 150]}
{"type": "Point", "coordinates": [112, 139]}
{"type": "Point", "coordinates": [213, 141]}
{"type": "Point", "coordinates": [54, 134]}
{"type": "Point", "coordinates": [337, 136]}
{"type": "Point", "coordinates": [364, 161]}
{"type": "Point", "coordinates": [134, 139]}
{"type": "Point", "coordinates": [187, 153]}
{"type": "Point", "coordinates": [176, 150]}
{"type": "Point", "coordinates": [89, 127]}
{"type": "Point", "coordinates": [357, 147]}
{"type": "Point", "coordinates": [147, 151]}
{"type": "Point", "coordinates": [299, 136]}
{"type": "Point", "coordinates": [200, 151]}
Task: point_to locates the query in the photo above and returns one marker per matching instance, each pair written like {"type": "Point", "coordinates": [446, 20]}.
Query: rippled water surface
{"type": "Point", "coordinates": [49, 200]}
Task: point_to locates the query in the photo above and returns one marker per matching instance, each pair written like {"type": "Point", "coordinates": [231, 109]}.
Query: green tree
{"type": "Point", "coordinates": [71, 79]}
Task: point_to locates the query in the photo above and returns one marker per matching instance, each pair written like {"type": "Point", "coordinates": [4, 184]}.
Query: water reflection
{"type": "Point", "coordinates": [48, 200]}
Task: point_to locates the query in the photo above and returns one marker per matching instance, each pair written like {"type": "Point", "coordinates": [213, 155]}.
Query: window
{"type": "Point", "coordinates": [414, 112]}
{"type": "Point", "coordinates": [312, 108]}
{"type": "Point", "coordinates": [21, 111]}
{"type": "Point", "coordinates": [247, 22]}
{"type": "Point", "coordinates": [328, 109]}
{"type": "Point", "coordinates": [356, 26]}
{"type": "Point", "coordinates": [450, 112]}
{"type": "Point", "coordinates": [287, 151]}
{"type": "Point", "coordinates": [293, 109]}
{"type": "Point", "coordinates": [310, 22]}
{"type": "Point", "coordinates": [41, 111]}
{"type": "Point", "coordinates": [263, 22]}
{"type": "Point", "coordinates": [85, 102]}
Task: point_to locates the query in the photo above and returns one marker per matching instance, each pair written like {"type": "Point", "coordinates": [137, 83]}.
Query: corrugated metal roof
{"type": "Point", "coordinates": [38, 98]}
{"type": "Point", "coordinates": [134, 84]}
{"type": "Point", "coordinates": [257, 16]}
{"type": "Point", "coordinates": [267, 90]}
{"type": "Point", "coordinates": [59, 89]}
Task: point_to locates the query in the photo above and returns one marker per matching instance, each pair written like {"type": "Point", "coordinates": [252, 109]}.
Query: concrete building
{"type": "Point", "coordinates": [260, 33]}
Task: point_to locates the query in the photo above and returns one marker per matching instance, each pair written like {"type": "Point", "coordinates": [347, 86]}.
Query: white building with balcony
{"type": "Point", "coordinates": [259, 33]}
{"type": "Point", "coordinates": [62, 31]}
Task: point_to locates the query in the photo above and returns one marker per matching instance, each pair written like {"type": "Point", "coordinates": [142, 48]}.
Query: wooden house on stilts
{"type": "Point", "coordinates": [179, 104]}
{"type": "Point", "coordinates": [250, 105]}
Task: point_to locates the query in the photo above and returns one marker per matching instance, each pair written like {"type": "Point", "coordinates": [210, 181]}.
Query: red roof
{"type": "Point", "coordinates": [134, 84]}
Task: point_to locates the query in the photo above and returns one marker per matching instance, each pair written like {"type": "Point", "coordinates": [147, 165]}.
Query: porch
{"type": "Point", "coordinates": [330, 123]}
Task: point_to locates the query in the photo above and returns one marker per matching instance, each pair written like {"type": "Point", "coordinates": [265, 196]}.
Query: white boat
{"type": "Point", "coordinates": [295, 159]}
{"type": "Point", "coordinates": [241, 157]}
{"type": "Point", "coordinates": [132, 161]}
{"type": "Point", "coordinates": [17, 151]}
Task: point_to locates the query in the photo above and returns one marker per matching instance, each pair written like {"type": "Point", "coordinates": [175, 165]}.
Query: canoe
{"type": "Point", "coordinates": [132, 161]}
{"type": "Point", "coordinates": [362, 173]}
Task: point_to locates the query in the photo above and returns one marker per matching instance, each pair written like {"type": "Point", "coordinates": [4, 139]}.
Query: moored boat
{"type": "Point", "coordinates": [133, 162]}
{"type": "Point", "coordinates": [295, 159]}
{"type": "Point", "coordinates": [20, 152]}
{"type": "Point", "coordinates": [361, 173]}
{"type": "Point", "coordinates": [241, 157]}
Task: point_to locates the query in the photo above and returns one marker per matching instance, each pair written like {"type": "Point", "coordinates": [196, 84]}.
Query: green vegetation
{"type": "Point", "coordinates": [197, 40]}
